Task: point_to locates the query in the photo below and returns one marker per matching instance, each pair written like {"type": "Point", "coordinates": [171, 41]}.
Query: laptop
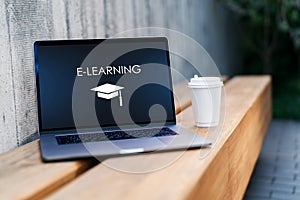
{"type": "Point", "coordinates": [107, 97]}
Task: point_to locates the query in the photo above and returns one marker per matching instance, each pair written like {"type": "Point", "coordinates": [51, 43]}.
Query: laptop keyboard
{"type": "Point", "coordinates": [115, 135]}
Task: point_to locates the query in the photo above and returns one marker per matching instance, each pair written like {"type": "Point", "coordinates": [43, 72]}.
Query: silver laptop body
{"type": "Point", "coordinates": [107, 97]}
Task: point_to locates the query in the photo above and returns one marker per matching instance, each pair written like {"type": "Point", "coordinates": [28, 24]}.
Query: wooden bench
{"type": "Point", "coordinates": [220, 172]}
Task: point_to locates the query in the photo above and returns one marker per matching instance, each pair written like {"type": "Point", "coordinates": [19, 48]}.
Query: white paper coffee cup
{"type": "Point", "coordinates": [206, 100]}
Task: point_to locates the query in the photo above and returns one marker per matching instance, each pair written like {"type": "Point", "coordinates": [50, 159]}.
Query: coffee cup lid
{"type": "Point", "coordinates": [205, 82]}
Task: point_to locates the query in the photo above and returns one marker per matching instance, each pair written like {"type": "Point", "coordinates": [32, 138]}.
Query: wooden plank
{"type": "Point", "coordinates": [181, 96]}
{"type": "Point", "coordinates": [222, 174]}
{"type": "Point", "coordinates": [24, 176]}
{"type": "Point", "coordinates": [243, 144]}
{"type": "Point", "coordinates": [35, 178]}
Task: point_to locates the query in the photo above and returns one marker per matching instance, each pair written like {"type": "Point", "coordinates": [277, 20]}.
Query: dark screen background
{"type": "Point", "coordinates": [56, 66]}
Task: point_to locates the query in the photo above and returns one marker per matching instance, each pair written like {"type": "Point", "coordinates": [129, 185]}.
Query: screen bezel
{"type": "Point", "coordinates": [96, 42]}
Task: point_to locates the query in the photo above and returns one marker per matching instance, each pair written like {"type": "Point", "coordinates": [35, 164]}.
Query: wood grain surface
{"type": "Point", "coordinates": [222, 171]}
{"type": "Point", "coordinates": [36, 179]}
{"type": "Point", "coordinates": [23, 175]}
{"type": "Point", "coordinates": [219, 172]}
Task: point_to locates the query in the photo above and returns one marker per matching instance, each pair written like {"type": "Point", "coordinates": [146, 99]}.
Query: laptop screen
{"type": "Point", "coordinates": [120, 82]}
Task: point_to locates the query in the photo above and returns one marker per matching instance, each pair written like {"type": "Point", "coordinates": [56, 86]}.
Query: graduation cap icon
{"type": "Point", "coordinates": [109, 91]}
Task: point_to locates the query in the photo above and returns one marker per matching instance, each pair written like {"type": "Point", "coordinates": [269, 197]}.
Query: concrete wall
{"type": "Point", "coordinates": [23, 22]}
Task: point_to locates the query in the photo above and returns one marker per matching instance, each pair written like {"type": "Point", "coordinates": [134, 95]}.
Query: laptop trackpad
{"type": "Point", "coordinates": [139, 145]}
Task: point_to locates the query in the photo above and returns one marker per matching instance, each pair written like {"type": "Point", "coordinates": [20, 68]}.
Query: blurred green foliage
{"type": "Point", "coordinates": [283, 15]}
{"type": "Point", "coordinates": [286, 99]}
{"type": "Point", "coordinates": [271, 33]}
